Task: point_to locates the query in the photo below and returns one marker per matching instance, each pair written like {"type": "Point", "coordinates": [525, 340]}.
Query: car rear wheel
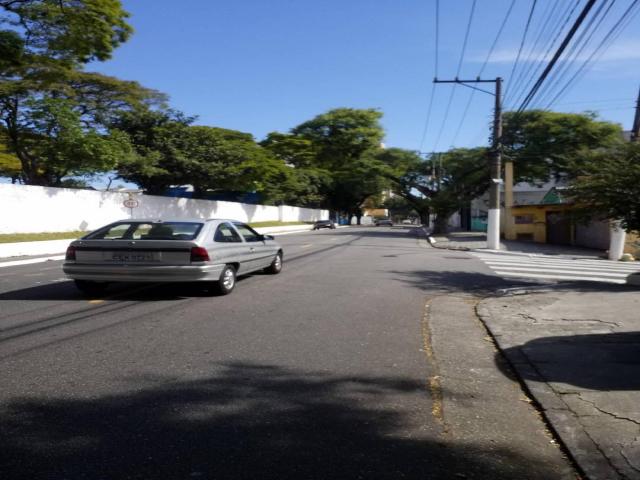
{"type": "Point", "coordinates": [89, 287]}
{"type": "Point", "coordinates": [276, 265]}
{"type": "Point", "coordinates": [227, 280]}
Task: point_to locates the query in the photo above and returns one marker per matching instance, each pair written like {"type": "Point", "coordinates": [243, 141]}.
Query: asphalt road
{"type": "Point", "coordinates": [362, 359]}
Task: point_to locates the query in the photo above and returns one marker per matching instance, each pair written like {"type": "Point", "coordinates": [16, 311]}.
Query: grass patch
{"type": "Point", "coordinates": [276, 224]}
{"type": "Point", "coordinates": [36, 237]}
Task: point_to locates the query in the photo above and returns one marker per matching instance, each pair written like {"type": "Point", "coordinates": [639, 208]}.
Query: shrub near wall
{"type": "Point", "coordinates": [27, 209]}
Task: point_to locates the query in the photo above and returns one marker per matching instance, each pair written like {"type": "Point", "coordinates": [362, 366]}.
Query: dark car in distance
{"type": "Point", "coordinates": [383, 221]}
{"type": "Point", "coordinates": [324, 224]}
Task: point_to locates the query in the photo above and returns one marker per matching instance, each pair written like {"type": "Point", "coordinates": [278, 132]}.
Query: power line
{"type": "Point", "coordinates": [544, 25]}
{"type": "Point", "coordinates": [466, 38]}
{"type": "Point", "coordinates": [433, 86]}
{"type": "Point", "coordinates": [604, 100]}
{"type": "Point", "coordinates": [558, 27]}
{"type": "Point", "coordinates": [453, 88]}
{"type": "Point", "coordinates": [524, 37]}
{"type": "Point", "coordinates": [604, 44]}
{"type": "Point", "coordinates": [577, 48]}
{"type": "Point", "coordinates": [557, 55]}
{"type": "Point", "coordinates": [426, 123]}
{"type": "Point", "coordinates": [486, 61]}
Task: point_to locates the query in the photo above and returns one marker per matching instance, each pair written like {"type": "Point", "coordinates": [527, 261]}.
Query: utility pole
{"type": "Point", "coordinates": [635, 130]}
{"type": "Point", "coordinates": [493, 227]}
{"type": "Point", "coordinates": [617, 235]}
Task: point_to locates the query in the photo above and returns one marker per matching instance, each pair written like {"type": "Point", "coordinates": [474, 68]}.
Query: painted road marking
{"type": "Point", "coordinates": [549, 267]}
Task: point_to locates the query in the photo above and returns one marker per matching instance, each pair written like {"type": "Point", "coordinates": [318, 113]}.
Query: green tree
{"type": "Point", "coordinates": [303, 183]}
{"type": "Point", "coordinates": [9, 163]}
{"type": "Point", "coordinates": [157, 137]}
{"type": "Point", "coordinates": [172, 151]}
{"type": "Point", "coordinates": [441, 184]}
{"type": "Point", "coordinates": [344, 142]}
{"type": "Point", "coordinates": [67, 31]}
{"type": "Point", "coordinates": [399, 207]}
{"type": "Point", "coordinates": [59, 145]}
{"type": "Point", "coordinates": [608, 185]}
{"type": "Point", "coordinates": [44, 44]}
{"type": "Point", "coordinates": [545, 144]}
{"type": "Point", "coordinates": [343, 135]}
{"type": "Point", "coordinates": [411, 178]}
{"type": "Point", "coordinates": [222, 160]}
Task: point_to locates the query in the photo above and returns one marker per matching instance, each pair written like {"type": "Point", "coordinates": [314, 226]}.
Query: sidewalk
{"type": "Point", "coordinates": [478, 241]}
{"type": "Point", "coordinates": [578, 352]}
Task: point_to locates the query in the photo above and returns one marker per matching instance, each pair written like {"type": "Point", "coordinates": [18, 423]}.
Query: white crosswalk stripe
{"type": "Point", "coordinates": [549, 267]}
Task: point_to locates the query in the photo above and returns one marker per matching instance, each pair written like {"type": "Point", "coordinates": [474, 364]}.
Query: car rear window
{"type": "Point", "coordinates": [147, 231]}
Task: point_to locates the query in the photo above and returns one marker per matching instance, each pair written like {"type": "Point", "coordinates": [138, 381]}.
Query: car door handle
{"type": "Point", "coordinates": [252, 249]}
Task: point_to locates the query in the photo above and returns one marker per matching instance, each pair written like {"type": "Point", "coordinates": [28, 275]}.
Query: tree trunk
{"type": "Point", "coordinates": [440, 225]}
{"type": "Point", "coordinates": [424, 216]}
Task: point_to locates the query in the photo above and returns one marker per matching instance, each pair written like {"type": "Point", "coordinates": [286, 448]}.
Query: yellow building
{"type": "Point", "coordinates": [550, 221]}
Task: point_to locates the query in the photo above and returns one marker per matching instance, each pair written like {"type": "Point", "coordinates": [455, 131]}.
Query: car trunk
{"type": "Point", "coordinates": [134, 252]}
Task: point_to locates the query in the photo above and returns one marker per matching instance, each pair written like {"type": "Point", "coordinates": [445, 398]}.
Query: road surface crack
{"type": "Point", "coordinates": [617, 417]}
{"type": "Point", "coordinates": [535, 320]}
{"type": "Point", "coordinates": [626, 459]}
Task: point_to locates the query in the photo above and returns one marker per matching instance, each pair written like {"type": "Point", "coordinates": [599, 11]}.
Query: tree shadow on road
{"type": "Point", "coordinates": [452, 281]}
{"type": "Point", "coordinates": [245, 421]}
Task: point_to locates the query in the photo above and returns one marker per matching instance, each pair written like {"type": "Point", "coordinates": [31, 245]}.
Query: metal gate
{"type": "Point", "coordinates": [558, 229]}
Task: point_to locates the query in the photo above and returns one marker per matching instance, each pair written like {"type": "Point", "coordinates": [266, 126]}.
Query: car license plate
{"type": "Point", "coordinates": [132, 257]}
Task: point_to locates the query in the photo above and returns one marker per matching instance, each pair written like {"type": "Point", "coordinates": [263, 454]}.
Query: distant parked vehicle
{"type": "Point", "coordinates": [212, 251]}
{"type": "Point", "coordinates": [324, 224]}
{"type": "Point", "coordinates": [383, 221]}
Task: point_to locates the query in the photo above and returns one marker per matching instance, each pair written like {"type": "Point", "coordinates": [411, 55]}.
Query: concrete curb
{"type": "Point", "coordinates": [434, 243]}
{"type": "Point", "coordinates": [23, 249]}
{"type": "Point", "coordinates": [561, 420]}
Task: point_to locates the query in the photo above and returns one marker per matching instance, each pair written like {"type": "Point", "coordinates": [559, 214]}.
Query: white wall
{"type": "Point", "coordinates": [27, 209]}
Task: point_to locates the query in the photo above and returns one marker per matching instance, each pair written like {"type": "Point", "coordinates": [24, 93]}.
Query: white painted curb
{"type": "Point", "coordinates": [23, 249]}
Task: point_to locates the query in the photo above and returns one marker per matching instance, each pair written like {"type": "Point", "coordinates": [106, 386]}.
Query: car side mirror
{"type": "Point", "coordinates": [267, 237]}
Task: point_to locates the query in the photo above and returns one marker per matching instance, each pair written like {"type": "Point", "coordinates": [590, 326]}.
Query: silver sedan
{"type": "Point", "coordinates": [213, 251]}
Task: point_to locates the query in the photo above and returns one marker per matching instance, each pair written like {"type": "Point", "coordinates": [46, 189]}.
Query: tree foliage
{"type": "Point", "coordinates": [58, 145]}
{"type": "Point", "coordinates": [304, 182]}
{"type": "Point", "coordinates": [342, 135]}
{"type": "Point", "coordinates": [172, 151]}
{"type": "Point", "coordinates": [341, 145]}
{"type": "Point", "coordinates": [608, 185]}
{"type": "Point", "coordinates": [69, 31]}
{"type": "Point", "coordinates": [545, 144]}
{"type": "Point", "coordinates": [442, 183]}
{"type": "Point", "coordinates": [52, 114]}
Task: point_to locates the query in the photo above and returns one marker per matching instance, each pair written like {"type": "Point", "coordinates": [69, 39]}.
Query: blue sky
{"type": "Point", "coordinates": [259, 66]}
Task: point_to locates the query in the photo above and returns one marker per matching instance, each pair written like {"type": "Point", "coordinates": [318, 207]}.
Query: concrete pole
{"type": "Point", "coordinates": [493, 227]}
{"type": "Point", "coordinates": [618, 237]}
{"type": "Point", "coordinates": [617, 233]}
{"type": "Point", "coordinates": [509, 232]}
{"type": "Point", "coordinates": [635, 130]}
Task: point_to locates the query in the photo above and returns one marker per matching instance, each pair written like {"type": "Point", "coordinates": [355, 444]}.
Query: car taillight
{"type": "Point", "coordinates": [199, 254]}
{"type": "Point", "coordinates": [71, 253]}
